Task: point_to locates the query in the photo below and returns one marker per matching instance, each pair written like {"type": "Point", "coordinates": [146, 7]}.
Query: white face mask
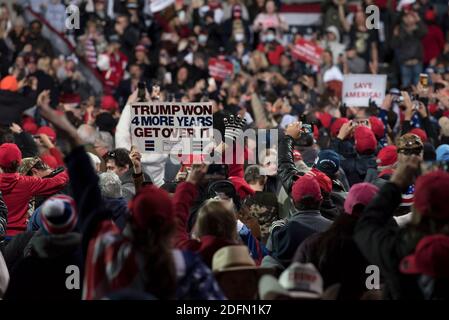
{"type": "Point", "coordinates": [270, 37]}
{"type": "Point", "coordinates": [239, 37]}
{"type": "Point", "coordinates": [202, 38]}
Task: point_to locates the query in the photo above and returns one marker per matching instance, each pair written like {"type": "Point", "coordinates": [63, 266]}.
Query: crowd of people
{"type": "Point", "coordinates": [342, 191]}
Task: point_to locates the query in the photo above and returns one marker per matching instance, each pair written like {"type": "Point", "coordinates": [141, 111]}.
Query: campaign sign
{"type": "Point", "coordinates": [220, 69]}
{"type": "Point", "coordinates": [307, 51]}
{"type": "Point", "coordinates": [359, 89]}
{"type": "Point", "coordinates": [172, 127]}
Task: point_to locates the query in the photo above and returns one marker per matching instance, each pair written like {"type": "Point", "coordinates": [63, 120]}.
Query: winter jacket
{"type": "Point", "coordinates": [361, 168]}
{"type": "Point", "coordinates": [119, 210]}
{"type": "Point", "coordinates": [384, 244]}
{"type": "Point", "coordinates": [184, 197]}
{"type": "Point", "coordinates": [287, 235]}
{"type": "Point", "coordinates": [408, 45]}
{"type": "Point", "coordinates": [287, 171]}
{"type": "Point", "coordinates": [19, 190]}
{"type": "Point", "coordinates": [336, 46]}
{"type": "Point", "coordinates": [41, 272]}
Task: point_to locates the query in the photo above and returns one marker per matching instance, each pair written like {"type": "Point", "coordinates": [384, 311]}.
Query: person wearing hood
{"type": "Point", "coordinates": [41, 272]}
{"type": "Point", "coordinates": [332, 42]}
{"type": "Point", "coordinates": [18, 190]}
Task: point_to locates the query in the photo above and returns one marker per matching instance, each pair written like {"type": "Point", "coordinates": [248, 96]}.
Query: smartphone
{"type": "Point", "coordinates": [156, 91]}
{"type": "Point", "coordinates": [54, 173]}
{"type": "Point", "coordinates": [424, 80]}
{"type": "Point", "coordinates": [141, 91]}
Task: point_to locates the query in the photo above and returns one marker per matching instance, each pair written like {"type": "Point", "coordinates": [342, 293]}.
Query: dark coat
{"type": "Point", "coordinates": [383, 244]}
{"type": "Point", "coordinates": [40, 274]}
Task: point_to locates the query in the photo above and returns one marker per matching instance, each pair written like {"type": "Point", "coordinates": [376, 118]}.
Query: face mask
{"type": "Point", "coordinates": [270, 37]}
{"type": "Point", "coordinates": [202, 38]}
{"type": "Point", "coordinates": [239, 37]}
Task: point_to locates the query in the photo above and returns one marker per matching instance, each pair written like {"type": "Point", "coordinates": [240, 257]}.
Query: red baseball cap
{"type": "Point", "coordinates": [420, 133]}
{"type": "Point", "coordinates": [365, 141]}
{"type": "Point", "coordinates": [48, 131]}
{"type": "Point", "coordinates": [387, 156]}
{"type": "Point", "coordinates": [151, 207]}
{"type": "Point", "coordinates": [336, 126]}
{"type": "Point", "coordinates": [109, 103]}
{"type": "Point", "coordinates": [325, 119]}
{"type": "Point", "coordinates": [306, 185]}
{"type": "Point", "coordinates": [30, 127]}
{"type": "Point", "coordinates": [323, 180]}
{"type": "Point", "coordinates": [9, 152]}
{"type": "Point", "coordinates": [377, 126]}
{"type": "Point", "coordinates": [431, 194]}
{"type": "Point", "coordinates": [360, 193]}
{"type": "Point", "coordinates": [431, 257]}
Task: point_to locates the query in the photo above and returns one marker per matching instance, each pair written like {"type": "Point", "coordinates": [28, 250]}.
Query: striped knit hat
{"type": "Point", "coordinates": [59, 214]}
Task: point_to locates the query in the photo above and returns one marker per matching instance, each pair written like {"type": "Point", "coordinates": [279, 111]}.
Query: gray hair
{"type": "Point", "coordinates": [105, 140]}
{"type": "Point", "coordinates": [110, 185]}
{"type": "Point", "coordinates": [87, 133]}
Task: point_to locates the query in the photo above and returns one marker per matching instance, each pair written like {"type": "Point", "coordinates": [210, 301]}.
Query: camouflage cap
{"type": "Point", "coordinates": [409, 141]}
{"type": "Point", "coordinates": [27, 164]}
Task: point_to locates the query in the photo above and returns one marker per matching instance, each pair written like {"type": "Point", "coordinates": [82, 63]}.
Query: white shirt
{"type": "Point", "coordinates": [152, 164]}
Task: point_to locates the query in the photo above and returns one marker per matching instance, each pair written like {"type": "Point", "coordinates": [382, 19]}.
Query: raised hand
{"type": "Point", "coordinates": [233, 127]}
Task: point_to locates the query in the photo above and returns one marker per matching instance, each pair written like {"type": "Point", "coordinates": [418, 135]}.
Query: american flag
{"type": "Point", "coordinates": [407, 197]}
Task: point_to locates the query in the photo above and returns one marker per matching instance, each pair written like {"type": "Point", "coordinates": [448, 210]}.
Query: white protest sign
{"type": "Point", "coordinates": [159, 5]}
{"type": "Point", "coordinates": [358, 89]}
{"type": "Point", "coordinates": [171, 127]}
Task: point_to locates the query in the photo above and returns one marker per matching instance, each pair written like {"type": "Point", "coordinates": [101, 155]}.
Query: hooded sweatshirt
{"type": "Point", "coordinates": [336, 47]}
{"type": "Point", "coordinates": [17, 192]}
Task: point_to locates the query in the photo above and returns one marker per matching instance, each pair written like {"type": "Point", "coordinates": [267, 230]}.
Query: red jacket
{"type": "Point", "coordinates": [185, 194]}
{"type": "Point", "coordinates": [17, 192]}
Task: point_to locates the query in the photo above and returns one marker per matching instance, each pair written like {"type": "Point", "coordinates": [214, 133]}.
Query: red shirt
{"type": "Point", "coordinates": [17, 192]}
{"type": "Point", "coordinates": [274, 56]}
